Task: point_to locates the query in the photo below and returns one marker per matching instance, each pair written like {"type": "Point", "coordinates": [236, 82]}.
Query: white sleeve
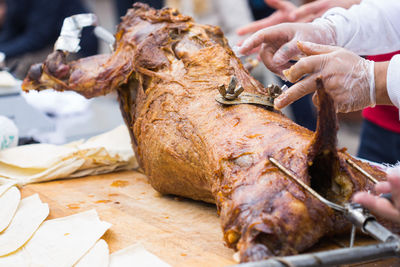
{"type": "Point", "coordinates": [370, 28]}
{"type": "Point", "coordinates": [393, 80]}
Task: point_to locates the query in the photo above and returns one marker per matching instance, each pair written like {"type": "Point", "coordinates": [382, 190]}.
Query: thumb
{"type": "Point", "coordinates": [310, 49]}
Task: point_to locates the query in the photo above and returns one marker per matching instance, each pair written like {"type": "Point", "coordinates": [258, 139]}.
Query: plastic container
{"type": "Point", "coordinates": [8, 133]}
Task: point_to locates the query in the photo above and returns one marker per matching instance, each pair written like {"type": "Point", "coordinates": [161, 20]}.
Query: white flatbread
{"type": "Point", "coordinates": [26, 176]}
{"type": "Point", "coordinates": [9, 202]}
{"type": "Point", "coordinates": [5, 184]}
{"type": "Point", "coordinates": [36, 156]}
{"type": "Point", "coordinates": [97, 256]}
{"type": "Point", "coordinates": [59, 242]}
{"type": "Point", "coordinates": [135, 255]}
{"type": "Point", "coordinates": [117, 142]}
{"type": "Point", "coordinates": [30, 214]}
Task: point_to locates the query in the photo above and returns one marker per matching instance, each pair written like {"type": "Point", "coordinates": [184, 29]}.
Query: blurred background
{"type": "Point", "coordinates": [29, 28]}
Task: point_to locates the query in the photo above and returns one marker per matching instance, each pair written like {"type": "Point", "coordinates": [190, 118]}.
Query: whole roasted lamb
{"type": "Point", "coordinates": [167, 70]}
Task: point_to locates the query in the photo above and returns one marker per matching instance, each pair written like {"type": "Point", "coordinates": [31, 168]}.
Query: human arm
{"type": "Point", "coordinates": [369, 28]}
{"type": "Point", "coordinates": [353, 82]}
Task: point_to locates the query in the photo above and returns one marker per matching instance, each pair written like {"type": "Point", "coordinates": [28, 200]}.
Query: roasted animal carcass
{"type": "Point", "coordinates": [166, 70]}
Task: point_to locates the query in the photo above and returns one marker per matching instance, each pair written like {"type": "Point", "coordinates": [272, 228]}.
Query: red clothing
{"type": "Point", "coordinates": [386, 117]}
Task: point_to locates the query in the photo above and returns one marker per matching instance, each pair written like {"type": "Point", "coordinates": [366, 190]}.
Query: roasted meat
{"type": "Point", "coordinates": [166, 70]}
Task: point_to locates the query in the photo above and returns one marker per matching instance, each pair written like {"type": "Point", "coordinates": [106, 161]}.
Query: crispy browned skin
{"type": "Point", "coordinates": [166, 69]}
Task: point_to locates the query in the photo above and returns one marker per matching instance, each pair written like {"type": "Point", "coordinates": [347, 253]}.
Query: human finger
{"type": "Point", "coordinates": [304, 66]}
{"type": "Point", "coordinates": [383, 188]}
{"type": "Point", "coordinates": [281, 5]}
{"type": "Point", "coordinates": [310, 49]}
{"type": "Point", "coordinates": [307, 9]}
{"type": "Point", "coordinates": [274, 36]}
{"type": "Point", "coordinates": [265, 55]}
{"type": "Point", "coordinates": [274, 19]}
{"type": "Point", "coordinates": [252, 42]}
{"type": "Point", "coordinates": [296, 91]}
{"type": "Point", "coordinates": [254, 26]}
{"type": "Point", "coordinates": [286, 52]}
{"type": "Point", "coordinates": [394, 182]}
{"type": "Point", "coordinates": [379, 206]}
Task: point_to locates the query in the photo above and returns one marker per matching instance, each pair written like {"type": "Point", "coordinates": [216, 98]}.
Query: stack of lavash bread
{"type": "Point", "coordinates": [108, 152]}
{"type": "Point", "coordinates": [26, 239]}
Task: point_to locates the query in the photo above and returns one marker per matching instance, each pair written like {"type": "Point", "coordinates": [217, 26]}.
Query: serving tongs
{"type": "Point", "coordinates": [358, 216]}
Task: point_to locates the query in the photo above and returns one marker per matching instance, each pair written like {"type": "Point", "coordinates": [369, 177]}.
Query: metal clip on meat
{"type": "Point", "coordinates": [359, 217]}
{"type": "Point", "coordinates": [71, 30]}
{"type": "Point", "coordinates": [234, 95]}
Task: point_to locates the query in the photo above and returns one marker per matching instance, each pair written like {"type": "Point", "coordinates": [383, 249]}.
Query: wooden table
{"type": "Point", "coordinates": [182, 232]}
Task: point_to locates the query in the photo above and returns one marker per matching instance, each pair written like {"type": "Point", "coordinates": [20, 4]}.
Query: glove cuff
{"type": "Point", "coordinates": [371, 78]}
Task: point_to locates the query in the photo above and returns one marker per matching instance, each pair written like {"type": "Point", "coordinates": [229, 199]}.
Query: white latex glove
{"type": "Point", "coordinates": [347, 77]}
{"type": "Point", "coordinates": [279, 43]}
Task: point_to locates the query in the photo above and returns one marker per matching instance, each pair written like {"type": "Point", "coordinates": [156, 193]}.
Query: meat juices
{"type": "Point", "coordinates": [166, 70]}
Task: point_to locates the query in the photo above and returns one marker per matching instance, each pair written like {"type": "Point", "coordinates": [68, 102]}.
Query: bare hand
{"type": "Point", "coordinates": [288, 12]}
{"type": "Point", "coordinates": [380, 206]}
{"type": "Point", "coordinates": [284, 9]}
{"type": "Point", "coordinates": [316, 9]}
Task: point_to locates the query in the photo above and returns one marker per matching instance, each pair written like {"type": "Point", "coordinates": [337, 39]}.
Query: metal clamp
{"type": "Point", "coordinates": [235, 95]}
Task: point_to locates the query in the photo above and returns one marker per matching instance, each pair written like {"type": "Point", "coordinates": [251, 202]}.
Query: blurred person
{"type": "Point", "coordinates": [30, 28]}
{"type": "Point", "coordinates": [380, 126]}
{"type": "Point", "coordinates": [227, 14]}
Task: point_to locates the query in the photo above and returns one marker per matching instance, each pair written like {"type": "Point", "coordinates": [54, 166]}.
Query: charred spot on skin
{"type": "Point", "coordinates": [35, 72]}
{"type": "Point", "coordinates": [56, 65]}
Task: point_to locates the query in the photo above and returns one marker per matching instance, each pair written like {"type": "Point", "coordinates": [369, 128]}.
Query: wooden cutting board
{"type": "Point", "coordinates": [181, 232]}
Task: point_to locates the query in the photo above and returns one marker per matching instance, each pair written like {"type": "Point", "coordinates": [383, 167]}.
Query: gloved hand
{"type": "Point", "coordinates": [348, 78]}
{"type": "Point", "coordinates": [380, 206]}
{"type": "Point", "coordinates": [279, 43]}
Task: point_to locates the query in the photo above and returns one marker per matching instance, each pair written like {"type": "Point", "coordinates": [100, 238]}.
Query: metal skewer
{"type": "Point", "coordinates": [308, 188]}
{"type": "Point", "coordinates": [366, 174]}
{"type": "Point", "coordinates": [359, 217]}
